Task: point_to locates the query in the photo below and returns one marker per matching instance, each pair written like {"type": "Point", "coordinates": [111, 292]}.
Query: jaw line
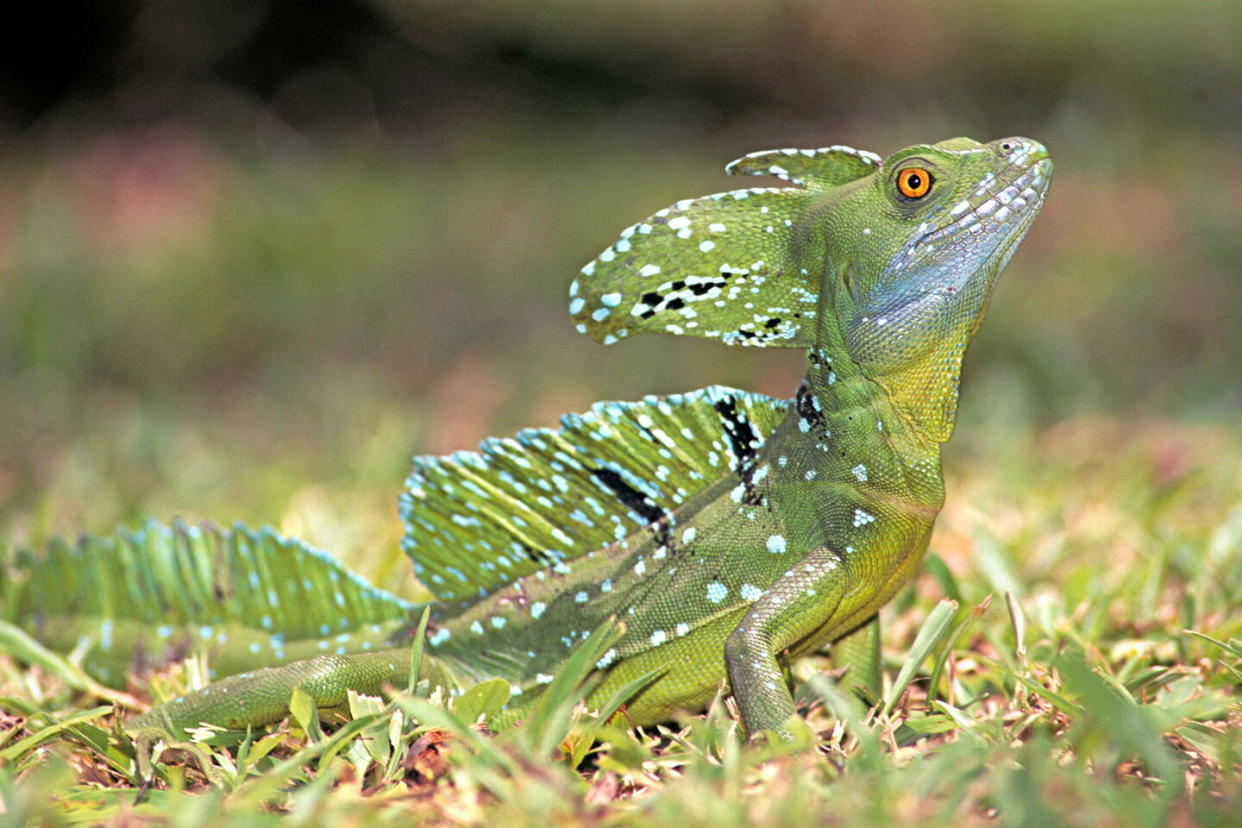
{"type": "Point", "coordinates": [1006, 178]}
{"type": "Point", "coordinates": [976, 285]}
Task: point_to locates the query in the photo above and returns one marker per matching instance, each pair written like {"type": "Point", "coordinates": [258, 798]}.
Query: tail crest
{"type": "Point", "coordinates": [245, 597]}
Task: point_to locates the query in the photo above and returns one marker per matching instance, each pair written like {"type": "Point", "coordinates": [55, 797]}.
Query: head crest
{"type": "Point", "coordinates": [719, 266]}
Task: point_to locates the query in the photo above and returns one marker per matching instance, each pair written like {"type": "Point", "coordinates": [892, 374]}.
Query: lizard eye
{"type": "Point", "coordinates": [914, 183]}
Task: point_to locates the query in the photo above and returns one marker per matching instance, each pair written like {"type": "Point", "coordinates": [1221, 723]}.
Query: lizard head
{"type": "Point", "coordinates": [890, 261]}
{"type": "Point", "coordinates": [913, 252]}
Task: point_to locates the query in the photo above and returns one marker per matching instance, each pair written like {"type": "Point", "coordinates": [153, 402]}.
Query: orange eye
{"type": "Point", "coordinates": [914, 182]}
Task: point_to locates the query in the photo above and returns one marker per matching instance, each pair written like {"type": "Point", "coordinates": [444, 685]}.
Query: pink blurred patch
{"type": "Point", "coordinates": [148, 188]}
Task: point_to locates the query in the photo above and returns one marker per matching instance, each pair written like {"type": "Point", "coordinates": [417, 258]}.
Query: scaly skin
{"type": "Point", "coordinates": [727, 531]}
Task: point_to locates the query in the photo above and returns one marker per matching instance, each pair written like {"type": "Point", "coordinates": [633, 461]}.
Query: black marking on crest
{"type": "Point", "coordinates": [805, 404]}
{"type": "Point", "coordinates": [738, 430]}
{"type": "Point", "coordinates": [750, 495]}
{"type": "Point", "coordinates": [656, 301]}
{"type": "Point", "coordinates": [541, 559]}
{"type": "Point", "coordinates": [627, 494]}
{"type": "Point", "coordinates": [662, 533]}
{"type": "Point", "coordinates": [742, 440]}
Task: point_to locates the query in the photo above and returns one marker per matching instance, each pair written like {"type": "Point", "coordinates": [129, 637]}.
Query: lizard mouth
{"type": "Point", "coordinates": [1012, 196]}
{"type": "Point", "coordinates": [988, 223]}
{"type": "Point", "coordinates": [935, 288]}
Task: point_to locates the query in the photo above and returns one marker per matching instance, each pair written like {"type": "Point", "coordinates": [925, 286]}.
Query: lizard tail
{"type": "Point", "coordinates": [245, 598]}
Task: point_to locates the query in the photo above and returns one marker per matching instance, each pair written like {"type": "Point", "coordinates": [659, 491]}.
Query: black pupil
{"type": "Point", "coordinates": [914, 181]}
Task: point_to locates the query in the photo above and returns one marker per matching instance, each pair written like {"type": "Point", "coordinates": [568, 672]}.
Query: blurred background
{"type": "Point", "coordinates": [253, 255]}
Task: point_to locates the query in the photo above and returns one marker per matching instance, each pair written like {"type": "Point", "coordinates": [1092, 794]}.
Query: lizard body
{"type": "Point", "coordinates": [727, 531]}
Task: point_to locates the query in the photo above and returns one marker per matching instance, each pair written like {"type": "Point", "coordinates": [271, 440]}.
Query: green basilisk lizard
{"type": "Point", "coordinates": [728, 532]}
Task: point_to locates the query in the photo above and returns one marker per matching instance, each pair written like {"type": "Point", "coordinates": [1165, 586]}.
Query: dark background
{"type": "Point", "coordinates": [255, 254]}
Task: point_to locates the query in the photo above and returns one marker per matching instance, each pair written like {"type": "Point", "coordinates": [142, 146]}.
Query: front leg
{"type": "Point", "coordinates": [798, 603]}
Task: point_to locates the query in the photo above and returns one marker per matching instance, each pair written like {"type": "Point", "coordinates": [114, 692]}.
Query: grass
{"type": "Point", "coordinates": [1071, 654]}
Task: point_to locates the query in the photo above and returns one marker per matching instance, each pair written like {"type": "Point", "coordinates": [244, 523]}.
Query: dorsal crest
{"type": "Point", "coordinates": [615, 474]}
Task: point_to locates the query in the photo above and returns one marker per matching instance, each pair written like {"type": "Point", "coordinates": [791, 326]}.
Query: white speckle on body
{"type": "Point", "coordinates": [862, 518]}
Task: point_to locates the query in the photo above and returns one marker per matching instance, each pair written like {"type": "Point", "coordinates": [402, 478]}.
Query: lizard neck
{"type": "Point", "coordinates": [847, 431]}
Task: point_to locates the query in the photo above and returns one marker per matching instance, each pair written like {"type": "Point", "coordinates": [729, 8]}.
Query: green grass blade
{"type": "Point", "coordinates": [416, 650]}
{"type": "Point", "coordinates": [549, 720]}
{"type": "Point", "coordinates": [45, 734]}
{"type": "Point", "coordinates": [930, 634]}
